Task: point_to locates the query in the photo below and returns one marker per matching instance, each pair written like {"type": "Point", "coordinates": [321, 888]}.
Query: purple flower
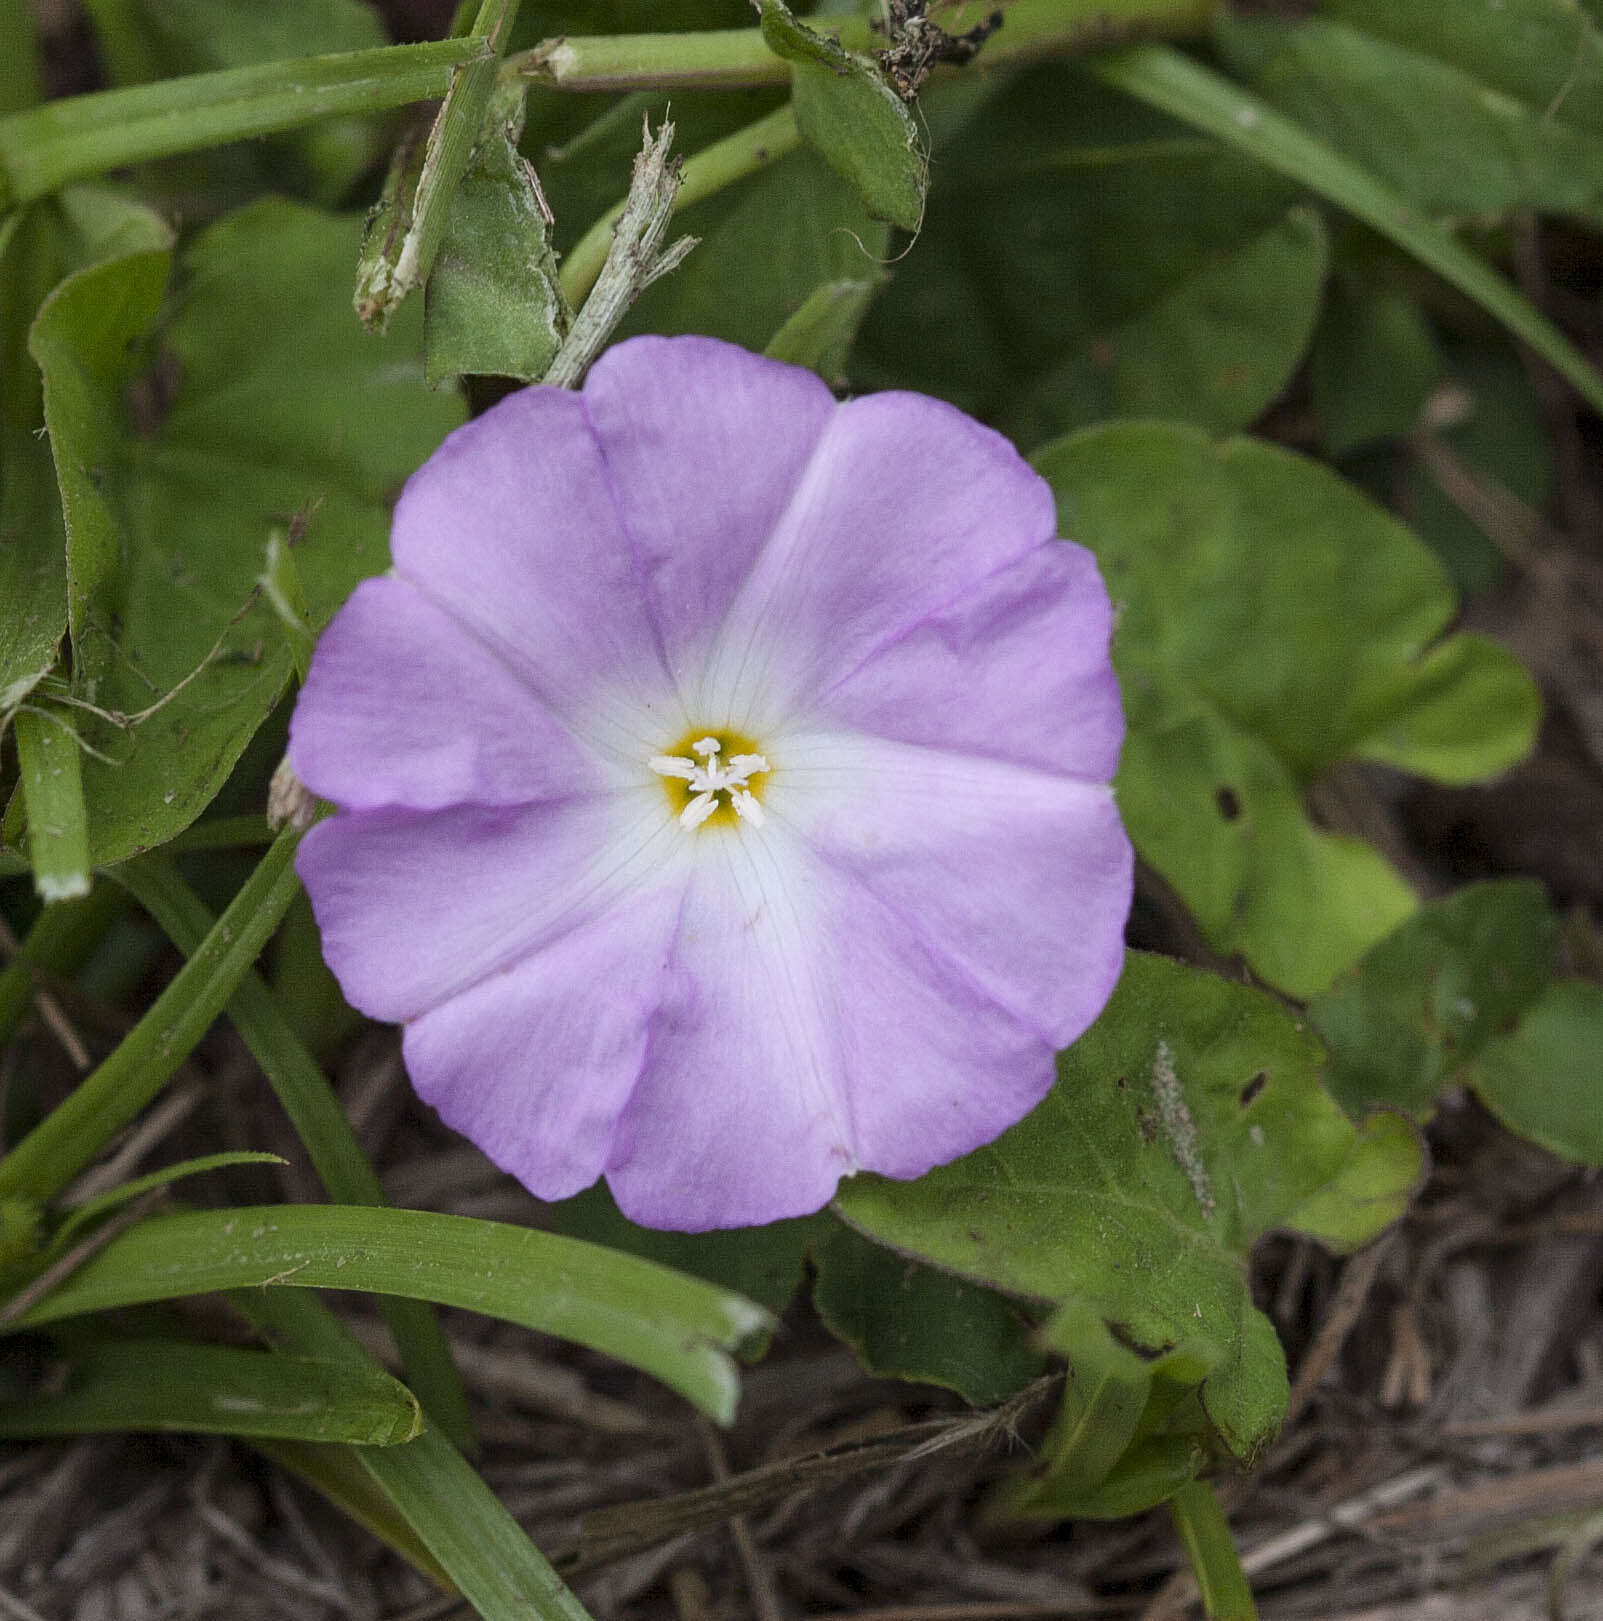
{"type": "Point", "coordinates": [724, 785]}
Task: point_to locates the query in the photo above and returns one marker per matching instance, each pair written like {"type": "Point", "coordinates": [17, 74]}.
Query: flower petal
{"type": "Point", "coordinates": [705, 444]}
{"type": "Point", "coordinates": [511, 528]}
{"type": "Point", "coordinates": [403, 707]}
{"type": "Point", "coordinates": [1023, 660]}
{"type": "Point", "coordinates": [906, 505]}
{"type": "Point", "coordinates": [937, 1067]}
{"type": "Point", "coordinates": [806, 1033]}
{"type": "Point", "coordinates": [416, 906]}
{"type": "Point", "coordinates": [741, 1115]}
{"type": "Point", "coordinates": [1020, 878]}
{"type": "Point", "coordinates": [536, 1063]}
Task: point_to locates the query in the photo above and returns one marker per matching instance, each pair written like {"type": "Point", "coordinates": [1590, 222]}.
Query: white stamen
{"type": "Point", "coordinates": [698, 810]}
{"type": "Point", "coordinates": [708, 779]}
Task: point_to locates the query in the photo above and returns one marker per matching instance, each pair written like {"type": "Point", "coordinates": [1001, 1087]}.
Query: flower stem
{"type": "Point", "coordinates": [47, 147]}
{"type": "Point", "coordinates": [110, 1096]}
{"type": "Point", "coordinates": [708, 171]}
{"type": "Point", "coordinates": [738, 57]}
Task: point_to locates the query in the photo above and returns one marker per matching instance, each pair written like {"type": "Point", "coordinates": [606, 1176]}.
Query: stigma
{"type": "Point", "coordinates": [714, 780]}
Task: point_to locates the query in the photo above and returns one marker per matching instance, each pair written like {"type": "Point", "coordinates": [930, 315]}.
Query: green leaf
{"type": "Point", "coordinates": [1386, 106]}
{"type": "Point", "coordinates": [1204, 1533]}
{"type": "Point", "coordinates": [464, 1529]}
{"type": "Point", "coordinates": [1216, 350]}
{"type": "Point", "coordinates": [1185, 89]}
{"type": "Point", "coordinates": [907, 1321]}
{"type": "Point", "coordinates": [850, 114]}
{"type": "Point", "coordinates": [673, 1327]}
{"type": "Point", "coordinates": [1545, 53]}
{"type": "Point", "coordinates": [820, 334]}
{"type": "Point", "coordinates": [1544, 1080]}
{"type": "Point", "coordinates": [215, 1390]}
{"type": "Point", "coordinates": [39, 246]}
{"type": "Point", "coordinates": [494, 304]}
{"type": "Point", "coordinates": [1184, 1125]}
{"type": "Point", "coordinates": [168, 519]}
{"type": "Point", "coordinates": [468, 1530]}
{"type": "Point", "coordinates": [1131, 1430]}
{"type": "Point", "coordinates": [765, 245]}
{"type": "Point", "coordinates": [1274, 622]}
{"type": "Point", "coordinates": [1374, 364]}
{"type": "Point", "coordinates": [338, 1473]}
{"type": "Point", "coordinates": [763, 1263]}
{"type": "Point", "coordinates": [1083, 256]}
{"type": "Point", "coordinates": [1404, 1022]}
{"type": "Point", "coordinates": [33, 572]}
{"type": "Point", "coordinates": [102, 1204]}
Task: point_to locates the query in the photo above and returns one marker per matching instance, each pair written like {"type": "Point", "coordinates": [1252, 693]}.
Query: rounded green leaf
{"type": "Point", "coordinates": [1274, 622]}
{"type": "Point", "coordinates": [850, 114]}
{"type": "Point", "coordinates": [1215, 350]}
{"type": "Point", "coordinates": [1402, 1024]}
{"type": "Point", "coordinates": [1185, 1124]}
{"type": "Point", "coordinates": [1373, 366]}
{"type": "Point", "coordinates": [168, 516]}
{"type": "Point", "coordinates": [1083, 257]}
{"type": "Point", "coordinates": [1545, 1080]}
{"type": "Point", "coordinates": [907, 1321]}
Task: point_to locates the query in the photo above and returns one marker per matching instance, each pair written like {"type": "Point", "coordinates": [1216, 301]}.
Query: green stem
{"type": "Point", "coordinates": [738, 57]}
{"type": "Point", "coordinates": [319, 1122]}
{"type": "Point", "coordinates": [399, 256]}
{"type": "Point", "coordinates": [708, 171]}
{"type": "Point", "coordinates": [48, 1158]}
{"type": "Point", "coordinates": [47, 147]}
{"type": "Point", "coordinates": [1205, 1534]}
{"type": "Point", "coordinates": [52, 790]}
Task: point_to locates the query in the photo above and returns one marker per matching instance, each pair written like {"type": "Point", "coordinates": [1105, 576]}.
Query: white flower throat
{"type": "Point", "coordinates": [716, 780]}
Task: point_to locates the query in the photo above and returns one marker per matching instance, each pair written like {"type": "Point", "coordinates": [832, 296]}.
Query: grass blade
{"type": "Point", "coordinates": [676, 1328]}
{"type": "Point", "coordinates": [319, 1122]}
{"type": "Point", "coordinates": [48, 1158]}
{"type": "Point", "coordinates": [1164, 78]}
{"type": "Point", "coordinates": [220, 1390]}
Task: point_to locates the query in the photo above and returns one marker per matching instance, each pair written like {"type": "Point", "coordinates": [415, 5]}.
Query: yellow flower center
{"type": "Point", "coordinates": [714, 779]}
